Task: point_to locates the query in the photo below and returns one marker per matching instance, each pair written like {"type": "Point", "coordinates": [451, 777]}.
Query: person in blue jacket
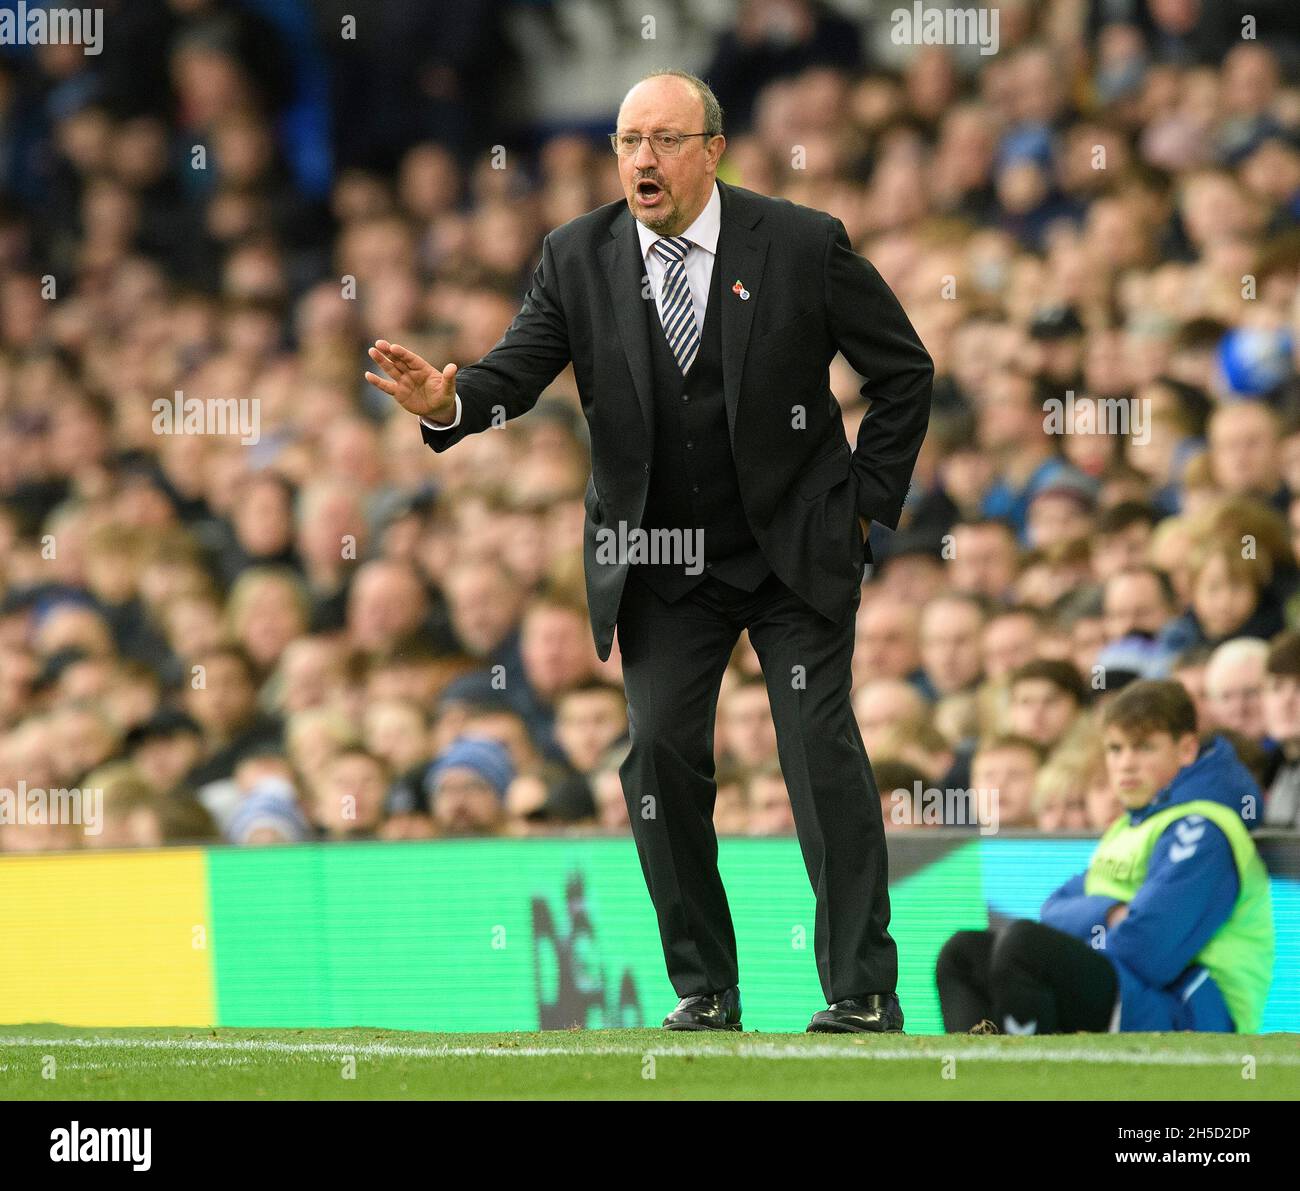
{"type": "Point", "coordinates": [1170, 927]}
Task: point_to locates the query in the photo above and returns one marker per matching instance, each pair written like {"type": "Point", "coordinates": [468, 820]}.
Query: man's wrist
{"type": "Point", "coordinates": [433, 424]}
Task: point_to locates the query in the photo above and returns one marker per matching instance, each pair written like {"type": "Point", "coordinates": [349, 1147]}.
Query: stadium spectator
{"type": "Point", "coordinates": [951, 629]}
{"type": "Point", "coordinates": [1227, 598]}
{"type": "Point", "coordinates": [340, 586]}
{"type": "Point", "coordinates": [1004, 771]}
{"type": "Point", "coordinates": [1122, 538]}
{"type": "Point", "coordinates": [222, 700]}
{"type": "Point", "coordinates": [165, 749]}
{"type": "Point", "coordinates": [1010, 640]}
{"type": "Point", "coordinates": [1045, 698]}
{"type": "Point", "coordinates": [887, 641]}
{"type": "Point", "coordinates": [768, 802]}
{"type": "Point", "coordinates": [1060, 798]}
{"type": "Point", "coordinates": [467, 785]}
{"type": "Point", "coordinates": [1281, 701]}
{"type": "Point", "coordinates": [885, 706]}
{"type": "Point", "coordinates": [611, 806]}
{"type": "Point", "coordinates": [983, 558]}
{"type": "Point", "coordinates": [1234, 687]}
{"type": "Point", "coordinates": [747, 737]}
{"type": "Point", "coordinates": [347, 798]}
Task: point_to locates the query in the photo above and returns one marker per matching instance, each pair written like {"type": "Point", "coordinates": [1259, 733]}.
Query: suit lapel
{"type": "Point", "coordinates": [625, 276]}
{"type": "Point", "coordinates": [742, 253]}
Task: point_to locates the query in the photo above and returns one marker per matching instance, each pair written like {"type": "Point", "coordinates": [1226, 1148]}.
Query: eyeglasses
{"type": "Point", "coordinates": [665, 144]}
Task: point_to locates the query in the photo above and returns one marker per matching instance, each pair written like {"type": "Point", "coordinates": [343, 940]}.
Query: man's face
{"type": "Point", "coordinates": [393, 730]}
{"type": "Point", "coordinates": [1121, 550]}
{"type": "Point", "coordinates": [682, 181]}
{"type": "Point", "coordinates": [1056, 517]}
{"type": "Point", "coordinates": [1235, 696]}
{"type": "Point", "coordinates": [1282, 709]}
{"type": "Point", "coordinates": [1007, 416]}
{"type": "Point", "coordinates": [1007, 775]}
{"type": "Point", "coordinates": [227, 700]}
{"type": "Point", "coordinates": [164, 760]}
{"type": "Point", "coordinates": [1087, 637]}
{"type": "Point", "coordinates": [747, 725]}
{"type": "Point", "coordinates": [983, 560]}
{"type": "Point", "coordinates": [886, 641]}
{"type": "Point", "coordinates": [1141, 765]}
{"type": "Point", "coordinates": [484, 607]}
{"type": "Point", "coordinates": [385, 604]}
{"type": "Point", "coordinates": [950, 645]}
{"type": "Point", "coordinates": [351, 795]}
{"type": "Point", "coordinates": [556, 648]}
{"type": "Point", "coordinates": [264, 519]}
{"type": "Point", "coordinates": [1244, 449]}
{"type": "Point", "coordinates": [1040, 710]}
{"type": "Point", "coordinates": [588, 722]}
{"type": "Point", "coordinates": [881, 707]}
{"type": "Point", "coordinates": [769, 807]}
{"type": "Point", "coordinates": [1008, 642]}
{"type": "Point", "coordinates": [464, 804]}
{"type": "Point", "coordinates": [1134, 604]}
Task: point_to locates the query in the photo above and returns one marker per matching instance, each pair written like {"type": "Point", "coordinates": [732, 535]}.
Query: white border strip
{"type": "Point", "coordinates": [740, 1050]}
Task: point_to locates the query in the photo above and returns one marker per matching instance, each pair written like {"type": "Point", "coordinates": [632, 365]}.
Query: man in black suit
{"type": "Point", "coordinates": [701, 320]}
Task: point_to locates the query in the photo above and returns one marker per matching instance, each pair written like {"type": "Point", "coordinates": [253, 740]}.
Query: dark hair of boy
{"type": "Point", "coordinates": [1148, 706]}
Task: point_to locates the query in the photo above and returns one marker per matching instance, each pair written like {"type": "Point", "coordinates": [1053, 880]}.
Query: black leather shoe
{"type": "Point", "coordinates": [876, 1013]}
{"type": "Point", "coordinates": [706, 1011]}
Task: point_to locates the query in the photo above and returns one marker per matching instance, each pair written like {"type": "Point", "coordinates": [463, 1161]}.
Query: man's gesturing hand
{"type": "Point", "coordinates": [416, 385]}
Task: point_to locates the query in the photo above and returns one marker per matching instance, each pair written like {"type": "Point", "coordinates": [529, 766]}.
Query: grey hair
{"type": "Point", "coordinates": [712, 108]}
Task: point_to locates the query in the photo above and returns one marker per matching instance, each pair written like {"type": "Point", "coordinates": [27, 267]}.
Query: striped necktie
{"type": "Point", "coordinates": [676, 309]}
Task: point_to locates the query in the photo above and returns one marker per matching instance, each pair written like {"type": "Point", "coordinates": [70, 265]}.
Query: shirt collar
{"type": "Point", "coordinates": [703, 233]}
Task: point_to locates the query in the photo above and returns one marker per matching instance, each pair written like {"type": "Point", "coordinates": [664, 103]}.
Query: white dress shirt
{"type": "Point", "coordinates": [703, 235]}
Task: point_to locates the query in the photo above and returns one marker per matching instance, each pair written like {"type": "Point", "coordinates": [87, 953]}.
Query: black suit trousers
{"type": "Point", "coordinates": [674, 656]}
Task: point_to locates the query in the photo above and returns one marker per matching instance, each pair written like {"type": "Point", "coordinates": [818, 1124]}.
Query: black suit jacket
{"type": "Point", "coordinates": [810, 295]}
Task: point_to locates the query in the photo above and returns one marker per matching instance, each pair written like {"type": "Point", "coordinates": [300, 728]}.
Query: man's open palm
{"type": "Point", "coordinates": [415, 384]}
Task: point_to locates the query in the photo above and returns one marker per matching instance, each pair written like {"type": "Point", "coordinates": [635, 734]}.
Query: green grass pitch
{"type": "Point", "coordinates": [47, 1062]}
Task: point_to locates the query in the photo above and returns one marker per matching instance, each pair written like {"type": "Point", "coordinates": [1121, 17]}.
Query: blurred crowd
{"type": "Point", "coordinates": [330, 632]}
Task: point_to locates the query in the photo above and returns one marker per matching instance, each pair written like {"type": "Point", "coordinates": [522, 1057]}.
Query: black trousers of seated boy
{"type": "Point", "coordinates": [1026, 978]}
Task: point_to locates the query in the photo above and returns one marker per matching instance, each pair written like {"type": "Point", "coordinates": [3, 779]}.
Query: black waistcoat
{"type": "Point", "coordinates": [693, 484]}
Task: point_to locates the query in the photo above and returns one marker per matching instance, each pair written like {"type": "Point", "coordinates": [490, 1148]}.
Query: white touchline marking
{"type": "Point", "coordinates": [743, 1050]}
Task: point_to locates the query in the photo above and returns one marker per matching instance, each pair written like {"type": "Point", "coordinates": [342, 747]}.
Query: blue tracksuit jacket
{"type": "Point", "coordinates": [1189, 892]}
